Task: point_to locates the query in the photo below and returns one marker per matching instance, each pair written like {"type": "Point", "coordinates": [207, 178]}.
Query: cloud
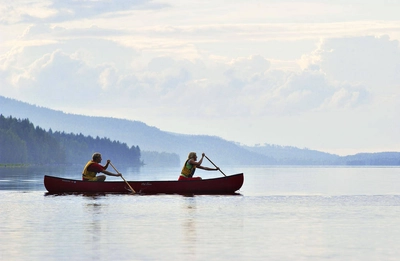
{"type": "Point", "coordinates": [248, 67]}
{"type": "Point", "coordinates": [58, 78]}
{"type": "Point", "coordinates": [38, 31]}
{"type": "Point", "coordinates": [12, 12]}
{"type": "Point", "coordinates": [180, 86]}
{"type": "Point", "coordinates": [31, 11]}
{"type": "Point", "coordinates": [99, 76]}
{"type": "Point", "coordinates": [347, 98]}
{"type": "Point", "coordinates": [298, 73]}
{"type": "Point", "coordinates": [103, 68]}
{"type": "Point", "coordinates": [64, 73]}
{"type": "Point", "coordinates": [369, 60]}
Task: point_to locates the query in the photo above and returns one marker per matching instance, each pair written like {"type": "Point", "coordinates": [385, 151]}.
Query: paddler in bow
{"type": "Point", "coordinates": [190, 167]}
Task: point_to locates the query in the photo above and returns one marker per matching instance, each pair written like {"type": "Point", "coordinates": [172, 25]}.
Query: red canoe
{"type": "Point", "coordinates": [222, 185]}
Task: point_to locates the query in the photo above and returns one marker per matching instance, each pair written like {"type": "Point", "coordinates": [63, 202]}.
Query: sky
{"type": "Point", "coordinates": [317, 74]}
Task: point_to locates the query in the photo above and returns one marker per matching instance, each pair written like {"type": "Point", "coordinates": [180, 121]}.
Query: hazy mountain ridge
{"type": "Point", "coordinates": [289, 155]}
{"type": "Point", "coordinates": [150, 138]}
{"type": "Point", "coordinates": [133, 133]}
{"type": "Point", "coordinates": [376, 159]}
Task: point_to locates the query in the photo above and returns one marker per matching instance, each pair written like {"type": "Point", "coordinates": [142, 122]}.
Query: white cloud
{"type": "Point", "coordinates": [17, 11]}
{"type": "Point", "coordinates": [369, 60]}
{"type": "Point", "coordinates": [193, 67]}
{"type": "Point", "coordinates": [346, 98]}
{"type": "Point", "coordinates": [100, 66]}
{"type": "Point", "coordinates": [36, 11]}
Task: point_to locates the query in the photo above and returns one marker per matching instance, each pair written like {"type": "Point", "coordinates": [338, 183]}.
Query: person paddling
{"type": "Point", "coordinates": [190, 167]}
{"type": "Point", "coordinates": [93, 167]}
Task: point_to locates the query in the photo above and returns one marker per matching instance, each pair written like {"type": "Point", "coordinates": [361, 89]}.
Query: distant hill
{"type": "Point", "coordinates": [150, 138]}
{"type": "Point", "coordinates": [287, 155]}
{"type": "Point", "coordinates": [375, 159]}
{"type": "Point", "coordinates": [133, 133]}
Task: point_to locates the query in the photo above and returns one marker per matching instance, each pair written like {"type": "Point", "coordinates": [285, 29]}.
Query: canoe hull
{"type": "Point", "coordinates": [223, 185]}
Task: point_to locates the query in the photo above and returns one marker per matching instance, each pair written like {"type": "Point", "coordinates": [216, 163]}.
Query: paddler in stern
{"type": "Point", "coordinates": [93, 167]}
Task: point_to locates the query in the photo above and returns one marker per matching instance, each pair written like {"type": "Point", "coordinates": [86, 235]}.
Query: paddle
{"type": "Point", "coordinates": [133, 191]}
{"type": "Point", "coordinates": [214, 165]}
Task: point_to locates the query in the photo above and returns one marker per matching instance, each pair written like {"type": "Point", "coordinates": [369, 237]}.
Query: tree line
{"type": "Point", "coordinates": [22, 142]}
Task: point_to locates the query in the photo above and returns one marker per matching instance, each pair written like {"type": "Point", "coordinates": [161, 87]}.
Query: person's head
{"type": "Point", "coordinates": [192, 155]}
{"type": "Point", "coordinates": [96, 157]}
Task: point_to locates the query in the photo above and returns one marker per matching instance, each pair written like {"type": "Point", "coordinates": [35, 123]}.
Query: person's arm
{"type": "Point", "coordinates": [198, 163]}
{"type": "Point", "coordinates": [207, 168]}
{"type": "Point", "coordinates": [201, 160]}
{"type": "Point", "coordinates": [111, 174]}
{"type": "Point", "coordinates": [95, 167]}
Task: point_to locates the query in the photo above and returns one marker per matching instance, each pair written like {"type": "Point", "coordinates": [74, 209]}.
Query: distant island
{"type": "Point", "coordinates": [158, 147]}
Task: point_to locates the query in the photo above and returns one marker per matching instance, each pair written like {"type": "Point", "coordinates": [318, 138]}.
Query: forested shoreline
{"type": "Point", "coordinates": [23, 143]}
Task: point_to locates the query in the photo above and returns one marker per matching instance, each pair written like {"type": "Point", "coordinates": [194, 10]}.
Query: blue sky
{"type": "Point", "coordinates": [323, 75]}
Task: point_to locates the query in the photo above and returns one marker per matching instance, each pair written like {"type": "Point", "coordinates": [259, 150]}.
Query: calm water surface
{"type": "Point", "coordinates": [282, 213]}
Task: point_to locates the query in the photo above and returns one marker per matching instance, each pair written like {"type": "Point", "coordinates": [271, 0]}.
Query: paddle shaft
{"type": "Point", "coordinates": [133, 191]}
{"type": "Point", "coordinates": [214, 165]}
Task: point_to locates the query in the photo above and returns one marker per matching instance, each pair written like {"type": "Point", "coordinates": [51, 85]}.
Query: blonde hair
{"type": "Point", "coordinates": [191, 155]}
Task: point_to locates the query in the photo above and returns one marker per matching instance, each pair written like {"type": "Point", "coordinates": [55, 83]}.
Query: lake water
{"type": "Point", "coordinates": [282, 213]}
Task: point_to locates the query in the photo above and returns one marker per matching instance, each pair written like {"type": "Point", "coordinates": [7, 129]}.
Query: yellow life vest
{"type": "Point", "coordinates": [188, 169]}
{"type": "Point", "coordinates": [89, 175]}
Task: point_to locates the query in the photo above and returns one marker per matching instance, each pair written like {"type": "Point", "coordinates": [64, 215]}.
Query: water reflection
{"type": "Point", "coordinates": [30, 178]}
{"type": "Point", "coordinates": [94, 210]}
{"type": "Point", "coordinates": [17, 179]}
{"type": "Point", "coordinates": [189, 225]}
